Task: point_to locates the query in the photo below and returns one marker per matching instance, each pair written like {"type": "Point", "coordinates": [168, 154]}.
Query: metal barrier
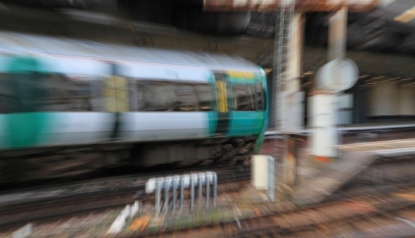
{"type": "Point", "coordinates": [173, 183]}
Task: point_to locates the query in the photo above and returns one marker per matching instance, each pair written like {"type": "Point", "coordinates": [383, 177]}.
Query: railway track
{"type": "Point", "coordinates": [291, 220]}
{"type": "Point", "coordinates": [383, 192]}
{"type": "Point", "coordinates": [96, 197]}
{"type": "Point", "coordinates": [343, 209]}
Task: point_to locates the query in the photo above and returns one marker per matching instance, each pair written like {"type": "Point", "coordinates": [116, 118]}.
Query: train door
{"type": "Point", "coordinates": [246, 117]}
{"type": "Point", "coordinates": [116, 97]}
{"type": "Point", "coordinates": [223, 107]}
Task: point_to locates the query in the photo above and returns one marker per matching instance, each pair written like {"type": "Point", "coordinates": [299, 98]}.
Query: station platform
{"type": "Point", "coordinates": [360, 127]}
{"type": "Point", "coordinates": [317, 180]}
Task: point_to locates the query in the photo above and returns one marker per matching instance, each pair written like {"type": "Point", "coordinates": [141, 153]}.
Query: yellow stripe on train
{"type": "Point", "coordinates": [222, 97]}
{"type": "Point", "coordinates": [240, 74]}
{"type": "Point", "coordinates": [116, 94]}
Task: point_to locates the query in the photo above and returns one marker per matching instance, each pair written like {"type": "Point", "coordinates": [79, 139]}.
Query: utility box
{"type": "Point", "coordinates": [262, 171]}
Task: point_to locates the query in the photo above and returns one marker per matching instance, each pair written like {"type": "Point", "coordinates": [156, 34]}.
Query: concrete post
{"type": "Point", "coordinates": [324, 109]}
{"type": "Point", "coordinates": [323, 122]}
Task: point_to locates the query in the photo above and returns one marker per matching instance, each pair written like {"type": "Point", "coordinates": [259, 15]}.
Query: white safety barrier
{"type": "Point", "coordinates": [181, 183]}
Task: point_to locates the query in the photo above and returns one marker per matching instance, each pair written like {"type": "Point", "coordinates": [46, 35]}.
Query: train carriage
{"type": "Point", "coordinates": [144, 106]}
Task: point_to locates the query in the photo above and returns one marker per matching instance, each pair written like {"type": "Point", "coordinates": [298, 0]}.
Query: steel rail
{"type": "Point", "coordinates": [283, 220]}
{"type": "Point", "coordinates": [42, 210]}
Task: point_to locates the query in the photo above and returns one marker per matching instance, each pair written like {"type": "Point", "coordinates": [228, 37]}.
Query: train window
{"type": "Point", "coordinates": [44, 92]}
{"type": "Point", "coordinates": [7, 97]}
{"type": "Point", "coordinates": [259, 97]}
{"type": "Point", "coordinates": [243, 96]}
{"type": "Point", "coordinates": [22, 92]}
{"type": "Point", "coordinates": [185, 98]}
{"type": "Point", "coordinates": [97, 95]}
{"type": "Point", "coordinates": [163, 96]}
{"type": "Point", "coordinates": [66, 93]}
{"type": "Point", "coordinates": [205, 95]}
{"type": "Point", "coordinates": [132, 94]}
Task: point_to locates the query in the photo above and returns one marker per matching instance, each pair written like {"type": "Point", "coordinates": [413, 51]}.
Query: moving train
{"type": "Point", "coordinates": [68, 106]}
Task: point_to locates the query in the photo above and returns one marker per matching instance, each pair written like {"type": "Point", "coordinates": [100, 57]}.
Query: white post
{"type": "Point", "coordinates": [324, 108]}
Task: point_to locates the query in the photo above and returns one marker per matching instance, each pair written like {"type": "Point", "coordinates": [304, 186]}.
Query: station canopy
{"type": "Point", "coordinates": [381, 33]}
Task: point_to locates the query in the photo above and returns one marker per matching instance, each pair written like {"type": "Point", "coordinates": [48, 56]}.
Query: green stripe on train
{"type": "Point", "coordinates": [260, 140]}
{"type": "Point", "coordinates": [26, 129]}
{"type": "Point", "coordinates": [25, 125]}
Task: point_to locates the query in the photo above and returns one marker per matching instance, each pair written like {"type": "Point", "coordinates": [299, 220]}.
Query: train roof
{"type": "Point", "coordinates": [18, 43]}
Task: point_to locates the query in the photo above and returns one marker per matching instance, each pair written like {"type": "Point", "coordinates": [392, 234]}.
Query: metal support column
{"type": "Point", "coordinates": [282, 57]}
{"type": "Point", "coordinates": [285, 84]}
{"type": "Point", "coordinates": [337, 50]}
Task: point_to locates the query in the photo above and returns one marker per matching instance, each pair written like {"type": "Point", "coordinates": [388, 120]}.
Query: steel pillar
{"type": "Point", "coordinates": [288, 105]}
{"type": "Point", "coordinates": [291, 116]}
